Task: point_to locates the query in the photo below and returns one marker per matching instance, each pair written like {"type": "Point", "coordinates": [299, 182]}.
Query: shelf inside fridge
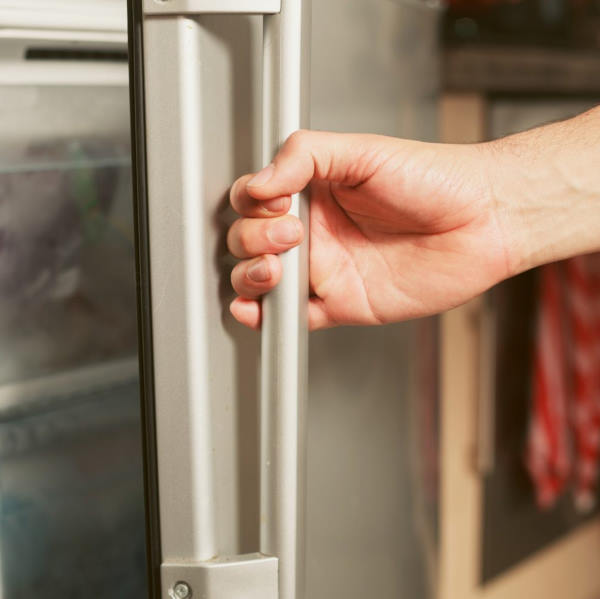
{"type": "Point", "coordinates": [67, 271]}
{"type": "Point", "coordinates": [71, 493]}
{"type": "Point", "coordinates": [108, 162]}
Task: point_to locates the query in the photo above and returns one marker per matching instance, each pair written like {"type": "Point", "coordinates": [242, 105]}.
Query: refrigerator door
{"type": "Point", "coordinates": [214, 95]}
{"type": "Point", "coordinates": [373, 397]}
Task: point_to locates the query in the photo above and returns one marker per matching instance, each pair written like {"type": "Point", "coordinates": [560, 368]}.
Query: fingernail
{"type": "Point", "coordinates": [259, 272]}
{"type": "Point", "coordinates": [276, 205]}
{"type": "Point", "coordinates": [284, 232]}
{"type": "Point", "coordinates": [262, 177]}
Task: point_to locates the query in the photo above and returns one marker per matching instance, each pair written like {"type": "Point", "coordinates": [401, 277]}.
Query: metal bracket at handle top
{"type": "Point", "coordinates": [199, 7]}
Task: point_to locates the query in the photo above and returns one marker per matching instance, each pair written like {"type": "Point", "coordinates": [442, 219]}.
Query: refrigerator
{"type": "Point", "coordinates": [151, 446]}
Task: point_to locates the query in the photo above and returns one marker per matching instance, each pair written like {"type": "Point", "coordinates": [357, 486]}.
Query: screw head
{"type": "Point", "coordinates": [181, 590]}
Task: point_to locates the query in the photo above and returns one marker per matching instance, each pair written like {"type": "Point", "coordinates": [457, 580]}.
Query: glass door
{"type": "Point", "coordinates": [71, 484]}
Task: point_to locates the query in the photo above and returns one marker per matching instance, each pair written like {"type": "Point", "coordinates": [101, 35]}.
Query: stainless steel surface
{"type": "Point", "coordinates": [252, 576]}
{"type": "Point", "coordinates": [374, 71]}
{"type": "Point", "coordinates": [362, 540]}
{"type": "Point", "coordinates": [284, 376]}
{"type": "Point", "coordinates": [486, 416]}
{"type": "Point", "coordinates": [199, 7]}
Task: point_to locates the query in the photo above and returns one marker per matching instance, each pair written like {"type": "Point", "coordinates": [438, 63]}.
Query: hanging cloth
{"type": "Point", "coordinates": [584, 310]}
{"type": "Point", "coordinates": [563, 446]}
{"type": "Point", "coordinates": [548, 455]}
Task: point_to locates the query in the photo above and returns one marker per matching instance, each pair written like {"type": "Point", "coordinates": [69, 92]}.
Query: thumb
{"type": "Point", "coordinates": [343, 158]}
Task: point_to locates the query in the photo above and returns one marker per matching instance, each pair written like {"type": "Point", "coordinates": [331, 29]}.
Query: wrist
{"type": "Point", "coordinates": [545, 189]}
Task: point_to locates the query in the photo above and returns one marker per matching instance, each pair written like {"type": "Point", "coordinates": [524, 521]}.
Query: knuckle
{"type": "Point", "coordinates": [298, 139]}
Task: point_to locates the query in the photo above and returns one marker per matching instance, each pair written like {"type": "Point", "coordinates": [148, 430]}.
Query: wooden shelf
{"type": "Point", "coordinates": [514, 70]}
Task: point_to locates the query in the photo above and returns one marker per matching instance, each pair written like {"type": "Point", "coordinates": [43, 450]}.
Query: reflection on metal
{"type": "Point", "coordinates": [252, 576]}
{"type": "Point", "coordinates": [486, 429]}
{"type": "Point", "coordinates": [199, 7]}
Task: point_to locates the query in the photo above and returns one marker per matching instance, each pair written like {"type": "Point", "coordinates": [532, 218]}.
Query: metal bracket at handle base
{"type": "Point", "coordinates": [284, 336]}
{"type": "Point", "coordinates": [252, 576]}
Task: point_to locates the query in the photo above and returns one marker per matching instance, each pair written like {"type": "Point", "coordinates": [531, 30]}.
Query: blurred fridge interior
{"type": "Point", "coordinates": [71, 500]}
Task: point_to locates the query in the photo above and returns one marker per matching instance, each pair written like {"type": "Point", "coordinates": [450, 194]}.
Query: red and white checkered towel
{"type": "Point", "coordinates": [564, 435]}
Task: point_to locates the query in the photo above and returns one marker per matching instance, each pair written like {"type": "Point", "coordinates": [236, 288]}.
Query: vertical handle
{"type": "Point", "coordinates": [284, 327]}
{"type": "Point", "coordinates": [183, 311]}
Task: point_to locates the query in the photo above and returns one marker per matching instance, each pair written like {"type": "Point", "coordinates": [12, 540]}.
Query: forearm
{"type": "Point", "coordinates": [545, 188]}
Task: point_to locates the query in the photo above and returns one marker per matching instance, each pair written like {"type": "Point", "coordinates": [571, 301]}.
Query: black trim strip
{"type": "Point", "coordinates": [144, 308]}
{"type": "Point", "coordinates": [75, 54]}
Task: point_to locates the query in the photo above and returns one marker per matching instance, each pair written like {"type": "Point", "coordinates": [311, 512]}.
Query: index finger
{"type": "Point", "coordinates": [344, 158]}
{"type": "Point", "coordinates": [245, 205]}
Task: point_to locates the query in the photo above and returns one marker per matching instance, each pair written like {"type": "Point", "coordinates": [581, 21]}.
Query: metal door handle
{"type": "Point", "coordinates": [284, 377]}
{"type": "Point", "coordinates": [284, 338]}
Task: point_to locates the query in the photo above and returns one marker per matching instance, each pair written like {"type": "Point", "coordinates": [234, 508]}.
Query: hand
{"type": "Point", "coordinates": [402, 229]}
{"type": "Point", "coordinates": [398, 229]}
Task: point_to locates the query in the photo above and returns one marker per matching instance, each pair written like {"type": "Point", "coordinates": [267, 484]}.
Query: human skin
{"type": "Point", "coordinates": [401, 229]}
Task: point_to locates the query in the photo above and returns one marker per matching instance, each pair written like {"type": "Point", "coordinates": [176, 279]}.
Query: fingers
{"type": "Point", "coordinates": [245, 205]}
{"type": "Point", "coordinates": [264, 199]}
{"type": "Point", "coordinates": [250, 237]}
{"type": "Point", "coordinates": [253, 278]}
{"type": "Point", "coordinates": [249, 312]}
{"type": "Point", "coordinates": [246, 311]}
{"type": "Point", "coordinates": [306, 155]}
